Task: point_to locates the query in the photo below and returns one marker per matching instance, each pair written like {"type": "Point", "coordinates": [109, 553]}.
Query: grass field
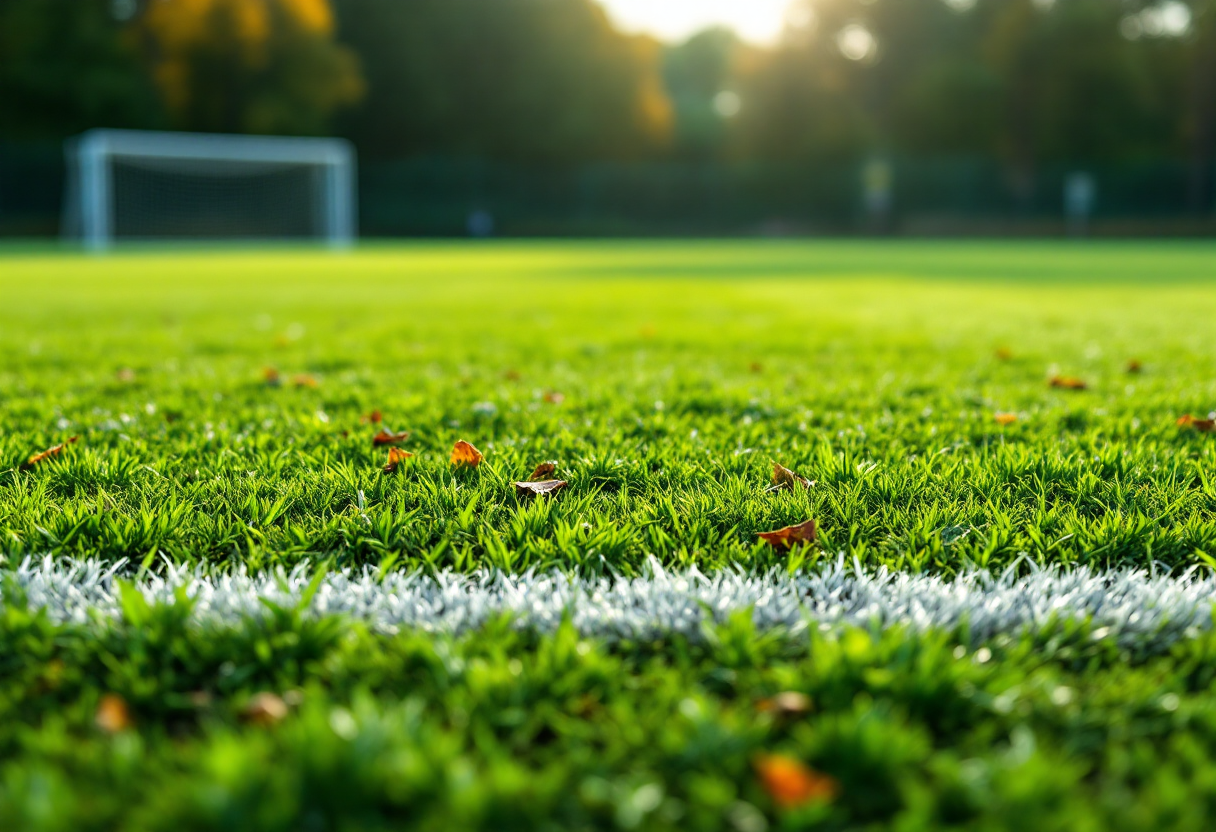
{"type": "Point", "coordinates": [663, 380]}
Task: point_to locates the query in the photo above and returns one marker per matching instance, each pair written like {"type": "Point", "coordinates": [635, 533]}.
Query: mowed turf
{"type": "Point", "coordinates": [664, 379]}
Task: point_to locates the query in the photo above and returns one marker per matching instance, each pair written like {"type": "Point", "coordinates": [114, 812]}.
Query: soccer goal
{"type": "Point", "coordinates": [137, 185]}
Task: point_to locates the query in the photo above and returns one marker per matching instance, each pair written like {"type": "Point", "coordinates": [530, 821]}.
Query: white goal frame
{"type": "Point", "coordinates": [90, 203]}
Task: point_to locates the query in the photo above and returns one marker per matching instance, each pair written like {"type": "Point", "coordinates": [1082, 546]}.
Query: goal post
{"type": "Point", "coordinates": [144, 185]}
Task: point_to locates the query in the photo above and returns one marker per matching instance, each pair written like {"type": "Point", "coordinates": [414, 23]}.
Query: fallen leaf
{"type": "Point", "coordinates": [1004, 353]}
{"type": "Point", "coordinates": [265, 709]}
{"type": "Point", "coordinates": [396, 456]}
{"type": "Point", "coordinates": [1201, 425]}
{"type": "Point", "coordinates": [756, 367]}
{"type": "Point", "coordinates": [512, 375]}
{"type": "Point", "coordinates": [373, 418]}
{"type": "Point", "coordinates": [304, 380]}
{"type": "Point", "coordinates": [387, 437]}
{"type": "Point", "coordinates": [126, 374]}
{"type": "Point", "coordinates": [544, 471]}
{"type": "Point", "coordinates": [786, 703]}
{"type": "Point", "coordinates": [554, 397]}
{"type": "Point", "coordinates": [787, 537]}
{"type": "Point", "coordinates": [54, 450]}
{"type": "Point", "coordinates": [272, 378]}
{"type": "Point", "coordinates": [539, 489]}
{"type": "Point", "coordinates": [1068, 383]}
{"type": "Point", "coordinates": [1005, 418]}
{"type": "Point", "coordinates": [786, 480]}
{"type": "Point", "coordinates": [1134, 366]}
{"type": "Point", "coordinates": [112, 714]}
{"type": "Point", "coordinates": [791, 783]}
{"type": "Point", "coordinates": [465, 454]}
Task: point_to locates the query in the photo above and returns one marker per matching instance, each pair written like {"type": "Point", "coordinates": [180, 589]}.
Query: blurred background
{"type": "Point", "coordinates": [654, 117]}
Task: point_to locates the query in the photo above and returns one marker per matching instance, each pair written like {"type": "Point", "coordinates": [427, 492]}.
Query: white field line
{"type": "Point", "coordinates": [1135, 608]}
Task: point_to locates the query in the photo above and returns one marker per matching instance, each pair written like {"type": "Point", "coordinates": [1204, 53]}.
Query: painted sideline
{"type": "Point", "coordinates": [1135, 608]}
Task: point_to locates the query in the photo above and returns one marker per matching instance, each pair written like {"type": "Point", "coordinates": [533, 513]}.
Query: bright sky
{"type": "Point", "coordinates": [758, 21]}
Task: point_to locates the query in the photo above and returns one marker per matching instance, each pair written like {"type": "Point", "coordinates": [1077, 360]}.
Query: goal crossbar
{"type": "Point", "coordinates": [92, 156]}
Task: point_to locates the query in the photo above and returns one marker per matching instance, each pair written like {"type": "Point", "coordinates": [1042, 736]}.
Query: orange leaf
{"type": "Point", "coordinates": [1068, 383]}
{"type": "Point", "coordinates": [1005, 418]}
{"type": "Point", "coordinates": [1134, 366]}
{"type": "Point", "coordinates": [1201, 425]}
{"type": "Point", "coordinates": [786, 703]}
{"type": "Point", "coordinates": [787, 537]}
{"type": "Point", "coordinates": [373, 418]}
{"type": "Point", "coordinates": [304, 380]}
{"type": "Point", "coordinates": [539, 489]}
{"type": "Point", "coordinates": [791, 783]}
{"type": "Point", "coordinates": [265, 709]}
{"type": "Point", "coordinates": [112, 714]}
{"type": "Point", "coordinates": [544, 471]}
{"type": "Point", "coordinates": [396, 456]}
{"type": "Point", "coordinates": [554, 397]}
{"type": "Point", "coordinates": [271, 376]}
{"type": "Point", "coordinates": [54, 450]}
{"type": "Point", "coordinates": [787, 480]}
{"type": "Point", "coordinates": [1004, 353]}
{"type": "Point", "coordinates": [387, 437]}
{"type": "Point", "coordinates": [465, 454]}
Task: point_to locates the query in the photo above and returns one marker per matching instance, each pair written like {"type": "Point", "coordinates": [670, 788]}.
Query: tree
{"type": "Point", "coordinates": [509, 79]}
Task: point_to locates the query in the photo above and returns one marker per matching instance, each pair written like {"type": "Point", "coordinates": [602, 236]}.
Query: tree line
{"type": "Point", "coordinates": [553, 82]}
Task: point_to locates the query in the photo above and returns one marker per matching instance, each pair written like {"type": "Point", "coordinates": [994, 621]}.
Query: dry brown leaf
{"type": "Point", "coordinates": [272, 378]}
{"type": "Point", "coordinates": [465, 454]}
{"type": "Point", "coordinates": [786, 703]}
{"type": "Point", "coordinates": [512, 375]}
{"type": "Point", "coordinates": [126, 374]}
{"type": "Point", "coordinates": [113, 715]}
{"type": "Point", "coordinates": [791, 783]}
{"type": "Point", "coordinates": [387, 437]}
{"type": "Point", "coordinates": [756, 367]}
{"type": "Point", "coordinates": [544, 471]}
{"type": "Point", "coordinates": [1004, 353]}
{"type": "Point", "coordinates": [54, 450]}
{"type": "Point", "coordinates": [304, 380]}
{"type": "Point", "coordinates": [1201, 425]}
{"type": "Point", "coordinates": [539, 489]}
{"type": "Point", "coordinates": [786, 480]}
{"type": "Point", "coordinates": [554, 397]}
{"type": "Point", "coordinates": [790, 535]}
{"type": "Point", "coordinates": [1068, 383]}
{"type": "Point", "coordinates": [265, 709]}
{"type": "Point", "coordinates": [373, 418]}
{"type": "Point", "coordinates": [1134, 366]}
{"type": "Point", "coordinates": [1005, 418]}
{"type": "Point", "coordinates": [396, 456]}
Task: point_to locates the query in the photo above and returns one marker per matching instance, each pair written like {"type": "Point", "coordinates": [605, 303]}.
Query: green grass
{"type": "Point", "coordinates": [875, 375]}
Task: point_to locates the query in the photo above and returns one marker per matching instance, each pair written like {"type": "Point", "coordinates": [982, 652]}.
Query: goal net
{"type": "Point", "coordinates": [137, 185]}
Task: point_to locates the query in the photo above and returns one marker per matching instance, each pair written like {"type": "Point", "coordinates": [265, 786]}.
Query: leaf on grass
{"type": "Point", "coordinates": [1068, 383]}
{"type": "Point", "coordinates": [265, 709]}
{"type": "Point", "coordinates": [786, 703]}
{"type": "Point", "coordinates": [544, 471]}
{"type": "Point", "coordinates": [387, 437]}
{"type": "Point", "coordinates": [539, 489]}
{"type": "Point", "coordinates": [272, 378]}
{"type": "Point", "coordinates": [465, 454]}
{"type": "Point", "coordinates": [396, 456]}
{"type": "Point", "coordinates": [791, 783]}
{"type": "Point", "coordinates": [756, 367]}
{"type": "Point", "coordinates": [126, 374]}
{"type": "Point", "coordinates": [1201, 425]}
{"type": "Point", "coordinates": [512, 375]}
{"type": "Point", "coordinates": [1005, 418]}
{"type": "Point", "coordinates": [1003, 354]}
{"type": "Point", "coordinates": [113, 715]}
{"type": "Point", "coordinates": [54, 450]}
{"type": "Point", "coordinates": [786, 480]}
{"type": "Point", "coordinates": [790, 535]}
{"type": "Point", "coordinates": [1134, 366]}
{"type": "Point", "coordinates": [554, 397]}
{"type": "Point", "coordinates": [373, 418]}
{"type": "Point", "coordinates": [304, 380]}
